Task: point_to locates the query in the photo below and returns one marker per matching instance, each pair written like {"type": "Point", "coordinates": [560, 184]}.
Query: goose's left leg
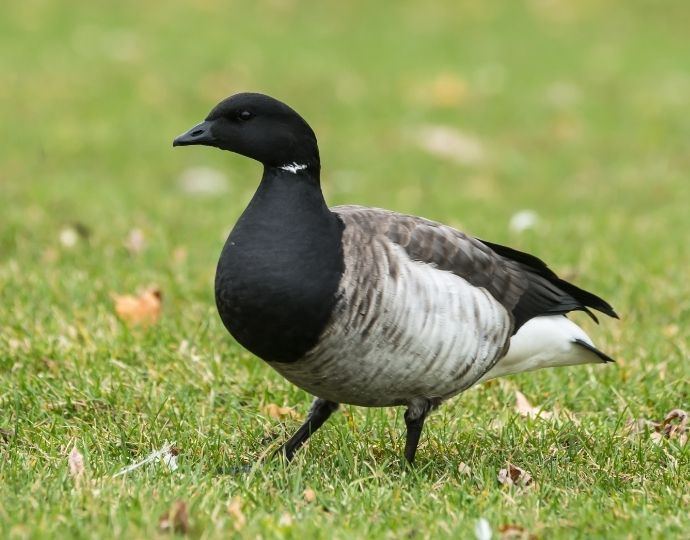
{"type": "Point", "coordinates": [320, 410]}
{"type": "Point", "coordinates": [415, 415]}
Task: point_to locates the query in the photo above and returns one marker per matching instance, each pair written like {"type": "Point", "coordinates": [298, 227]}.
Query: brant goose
{"type": "Point", "coordinates": [367, 306]}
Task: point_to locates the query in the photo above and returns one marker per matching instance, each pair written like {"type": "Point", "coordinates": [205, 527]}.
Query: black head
{"type": "Point", "coordinates": [259, 127]}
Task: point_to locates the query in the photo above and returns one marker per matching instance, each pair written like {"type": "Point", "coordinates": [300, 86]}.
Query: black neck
{"type": "Point", "coordinates": [284, 195]}
{"type": "Point", "coordinates": [279, 271]}
{"type": "Point", "coordinates": [296, 170]}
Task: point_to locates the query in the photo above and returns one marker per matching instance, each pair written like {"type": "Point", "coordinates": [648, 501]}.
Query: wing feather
{"type": "Point", "coordinates": [522, 283]}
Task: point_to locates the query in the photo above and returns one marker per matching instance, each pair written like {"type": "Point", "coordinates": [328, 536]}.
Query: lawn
{"type": "Point", "coordinates": [578, 111]}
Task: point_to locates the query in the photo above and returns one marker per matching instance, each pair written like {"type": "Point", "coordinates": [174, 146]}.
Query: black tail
{"type": "Point", "coordinates": [546, 292]}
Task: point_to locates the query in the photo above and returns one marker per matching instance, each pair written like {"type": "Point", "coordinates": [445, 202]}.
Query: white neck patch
{"type": "Point", "coordinates": [293, 167]}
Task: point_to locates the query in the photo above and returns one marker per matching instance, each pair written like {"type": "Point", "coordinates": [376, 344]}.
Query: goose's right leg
{"type": "Point", "coordinates": [415, 415]}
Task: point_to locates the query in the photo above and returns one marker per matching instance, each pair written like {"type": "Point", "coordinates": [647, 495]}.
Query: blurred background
{"type": "Point", "coordinates": [465, 112]}
{"type": "Point", "coordinates": [558, 127]}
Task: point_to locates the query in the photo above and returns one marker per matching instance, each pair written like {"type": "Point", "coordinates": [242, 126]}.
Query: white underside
{"type": "Point", "coordinates": [429, 334]}
{"type": "Point", "coordinates": [544, 342]}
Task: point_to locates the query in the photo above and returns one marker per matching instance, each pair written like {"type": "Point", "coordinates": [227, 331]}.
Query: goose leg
{"type": "Point", "coordinates": [414, 420]}
{"type": "Point", "coordinates": [320, 410]}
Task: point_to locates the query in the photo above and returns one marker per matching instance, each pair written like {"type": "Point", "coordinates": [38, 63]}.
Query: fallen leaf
{"type": "Point", "coordinates": [275, 411]}
{"type": "Point", "coordinates": [514, 476]}
{"type": "Point", "coordinates": [511, 531]}
{"type": "Point", "coordinates": [143, 309]}
{"type": "Point", "coordinates": [235, 511]}
{"type": "Point", "coordinates": [309, 495]}
{"type": "Point", "coordinates": [135, 241]}
{"type": "Point", "coordinates": [450, 143]}
{"type": "Point", "coordinates": [482, 529]}
{"type": "Point", "coordinates": [76, 464]}
{"type": "Point", "coordinates": [673, 426]}
{"type": "Point", "coordinates": [464, 469]}
{"type": "Point", "coordinates": [6, 434]}
{"type": "Point", "coordinates": [525, 408]}
{"type": "Point", "coordinates": [176, 519]}
{"type": "Point", "coordinates": [50, 364]}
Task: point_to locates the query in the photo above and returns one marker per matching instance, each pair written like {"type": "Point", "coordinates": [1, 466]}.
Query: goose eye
{"type": "Point", "coordinates": [244, 115]}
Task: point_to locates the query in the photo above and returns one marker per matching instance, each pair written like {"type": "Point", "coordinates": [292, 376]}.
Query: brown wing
{"type": "Point", "coordinates": [522, 283]}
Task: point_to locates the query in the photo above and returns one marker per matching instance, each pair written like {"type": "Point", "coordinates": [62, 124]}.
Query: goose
{"type": "Point", "coordinates": [370, 307]}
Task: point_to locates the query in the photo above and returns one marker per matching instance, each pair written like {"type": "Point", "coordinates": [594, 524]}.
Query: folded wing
{"type": "Point", "coordinates": [522, 283]}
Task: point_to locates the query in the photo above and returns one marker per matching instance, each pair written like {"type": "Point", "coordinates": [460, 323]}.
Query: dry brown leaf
{"type": "Point", "coordinates": [525, 408]}
{"type": "Point", "coordinates": [276, 411]}
{"type": "Point", "coordinates": [511, 531]}
{"type": "Point", "coordinates": [235, 511]}
{"type": "Point", "coordinates": [464, 469]}
{"type": "Point", "coordinates": [309, 495]}
{"type": "Point", "coordinates": [50, 364]}
{"type": "Point", "coordinates": [176, 519]}
{"type": "Point", "coordinates": [76, 464]}
{"type": "Point", "coordinates": [514, 476]}
{"type": "Point", "coordinates": [143, 309]}
{"type": "Point", "coordinates": [673, 426]}
{"type": "Point", "coordinates": [6, 435]}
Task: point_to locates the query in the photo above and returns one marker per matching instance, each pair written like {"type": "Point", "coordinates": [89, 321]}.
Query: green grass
{"type": "Point", "coordinates": [582, 109]}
